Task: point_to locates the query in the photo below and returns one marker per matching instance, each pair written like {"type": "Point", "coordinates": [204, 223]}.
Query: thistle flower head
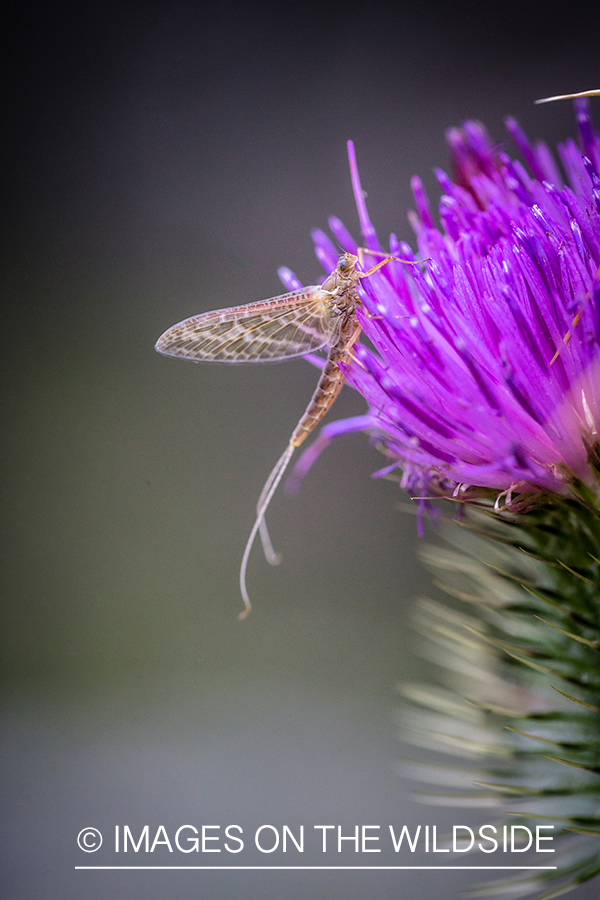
{"type": "Point", "coordinates": [485, 362]}
{"type": "Point", "coordinates": [484, 375]}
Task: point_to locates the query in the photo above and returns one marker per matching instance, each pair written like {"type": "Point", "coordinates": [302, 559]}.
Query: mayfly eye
{"type": "Point", "coordinates": [343, 264]}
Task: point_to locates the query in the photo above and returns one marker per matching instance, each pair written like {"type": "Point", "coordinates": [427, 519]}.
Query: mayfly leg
{"type": "Point", "coordinates": [388, 258]}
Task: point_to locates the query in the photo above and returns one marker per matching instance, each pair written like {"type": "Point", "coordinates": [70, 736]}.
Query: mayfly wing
{"type": "Point", "coordinates": [280, 328]}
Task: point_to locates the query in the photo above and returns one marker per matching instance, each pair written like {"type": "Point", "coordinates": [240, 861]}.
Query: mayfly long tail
{"type": "Point", "coordinates": [271, 555]}
{"type": "Point", "coordinates": [263, 503]}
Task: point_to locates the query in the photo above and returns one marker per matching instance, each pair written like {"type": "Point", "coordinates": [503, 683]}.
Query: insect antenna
{"type": "Point", "coordinates": [260, 526]}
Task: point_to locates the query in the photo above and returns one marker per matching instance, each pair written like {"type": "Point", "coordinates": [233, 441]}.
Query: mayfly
{"type": "Point", "coordinates": [293, 324]}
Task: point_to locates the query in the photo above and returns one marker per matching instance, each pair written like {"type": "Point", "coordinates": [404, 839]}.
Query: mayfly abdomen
{"type": "Point", "coordinates": [329, 386]}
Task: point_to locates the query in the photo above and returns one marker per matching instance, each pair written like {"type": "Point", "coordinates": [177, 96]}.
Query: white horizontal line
{"type": "Point", "coordinates": [336, 868]}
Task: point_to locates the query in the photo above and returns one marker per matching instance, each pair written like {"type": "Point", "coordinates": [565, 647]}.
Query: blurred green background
{"type": "Point", "coordinates": [162, 160]}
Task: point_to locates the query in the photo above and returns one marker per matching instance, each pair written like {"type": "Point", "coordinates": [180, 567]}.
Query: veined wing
{"type": "Point", "coordinates": [282, 327]}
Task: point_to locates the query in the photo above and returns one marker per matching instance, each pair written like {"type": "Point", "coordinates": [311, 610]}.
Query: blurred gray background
{"type": "Point", "coordinates": [162, 160]}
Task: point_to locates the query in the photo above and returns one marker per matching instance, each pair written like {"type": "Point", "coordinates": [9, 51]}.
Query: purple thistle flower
{"type": "Point", "coordinates": [483, 380]}
{"type": "Point", "coordinates": [485, 367]}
